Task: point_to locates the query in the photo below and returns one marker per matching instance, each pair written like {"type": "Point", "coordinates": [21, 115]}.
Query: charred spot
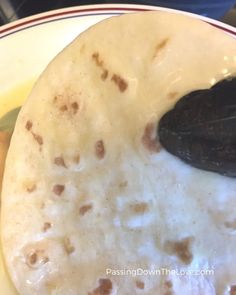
{"type": "Point", "coordinates": [100, 63]}
{"type": "Point", "coordinates": [182, 249]}
{"type": "Point", "coordinates": [123, 184]}
{"type": "Point", "coordinates": [160, 46]}
{"type": "Point", "coordinates": [168, 288]}
{"type": "Point", "coordinates": [36, 258]}
{"type": "Point", "coordinates": [32, 258]}
{"type": "Point", "coordinates": [58, 189]}
{"type": "Point", "coordinates": [85, 208]}
{"type": "Point", "coordinates": [168, 284]}
{"type": "Point", "coordinates": [149, 138]}
{"type": "Point", "coordinates": [172, 95]}
{"type": "Point", "coordinates": [46, 226]}
{"type": "Point", "coordinates": [64, 108]}
{"type": "Point", "coordinates": [104, 288]}
{"type": "Point", "coordinates": [139, 208]}
{"type": "Point", "coordinates": [231, 224]}
{"type": "Point", "coordinates": [31, 188]}
{"type": "Point", "coordinates": [120, 82]}
{"type": "Point", "coordinates": [59, 161]}
{"type": "Point", "coordinates": [38, 138]}
{"type": "Point", "coordinates": [99, 149]}
{"type": "Point", "coordinates": [139, 284]}
{"type": "Point", "coordinates": [28, 125]}
{"type": "Point", "coordinates": [96, 58]}
{"type": "Point", "coordinates": [75, 107]}
{"type": "Point", "coordinates": [69, 248]}
{"type": "Point", "coordinates": [56, 98]}
{"type": "Point", "coordinates": [76, 158]}
{"type": "Point", "coordinates": [104, 74]}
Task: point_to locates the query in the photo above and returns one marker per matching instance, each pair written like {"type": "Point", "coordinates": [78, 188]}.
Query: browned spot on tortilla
{"type": "Point", "coordinates": [35, 258]}
{"type": "Point", "coordinates": [231, 224]}
{"type": "Point", "coordinates": [139, 284]}
{"type": "Point", "coordinates": [172, 95]}
{"type": "Point", "coordinates": [31, 188]}
{"type": "Point", "coordinates": [232, 290]}
{"type": "Point", "coordinates": [38, 138]}
{"type": "Point", "coordinates": [75, 107]}
{"type": "Point", "coordinates": [69, 248]}
{"type": "Point", "coordinates": [149, 138]}
{"type": "Point", "coordinates": [104, 288]}
{"type": "Point", "coordinates": [64, 108]}
{"type": "Point", "coordinates": [123, 184]}
{"type": "Point", "coordinates": [139, 207]}
{"type": "Point", "coordinates": [28, 125]}
{"type": "Point", "coordinates": [120, 82]}
{"type": "Point", "coordinates": [97, 59]}
{"type": "Point", "coordinates": [104, 74]}
{"type": "Point", "coordinates": [76, 158]}
{"type": "Point", "coordinates": [99, 149]}
{"type": "Point", "coordinates": [84, 209]}
{"type": "Point", "coordinates": [160, 46]}
{"type": "Point", "coordinates": [100, 63]}
{"type": "Point", "coordinates": [181, 249]}
{"type": "Point", "coordinates": [56, 98]}
{"type": "Point", "coordinates": [58, 189]}
{"type": "Point", "coordinates": [59, 161]}
{"type": "Point", "coordinates": [46, 226]}
{"type": "Point", "coordinates": [32, 258]}
{"type": "Point", "coordinates": [168, 288]}
{"type": "Point", "coordinates": [168, 284]}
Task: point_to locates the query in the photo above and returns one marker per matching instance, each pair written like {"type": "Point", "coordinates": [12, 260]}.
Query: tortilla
{"type": "Point", "coordinates": [89, 196]}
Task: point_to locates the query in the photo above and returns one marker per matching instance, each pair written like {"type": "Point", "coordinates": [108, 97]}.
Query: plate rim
{"type": "Point", "coordinates": [98, 9]}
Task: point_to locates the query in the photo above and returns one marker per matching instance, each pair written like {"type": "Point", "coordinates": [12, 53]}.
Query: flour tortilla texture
{"type": "Point", "coordinates": [88, 191]}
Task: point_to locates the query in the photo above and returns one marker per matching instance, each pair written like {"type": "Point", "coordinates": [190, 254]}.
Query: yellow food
{"type": "Point", "coordinates": [4, 144]}
{"type": "Point", "coordinates": [14, 97]}
{"type": "Point", "coordinates": [8, 101]}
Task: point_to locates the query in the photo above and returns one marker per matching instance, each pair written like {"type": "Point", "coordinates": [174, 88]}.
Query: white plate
{"type": "Point", "coordinates": [27, 46]}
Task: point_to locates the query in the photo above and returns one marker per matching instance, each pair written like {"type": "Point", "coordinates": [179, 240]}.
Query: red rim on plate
{"type": "Point", "coordinates": [92, 10]}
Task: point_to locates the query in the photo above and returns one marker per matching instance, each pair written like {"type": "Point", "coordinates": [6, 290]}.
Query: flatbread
{"type": "Point", "coordinates": [89, 196]}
